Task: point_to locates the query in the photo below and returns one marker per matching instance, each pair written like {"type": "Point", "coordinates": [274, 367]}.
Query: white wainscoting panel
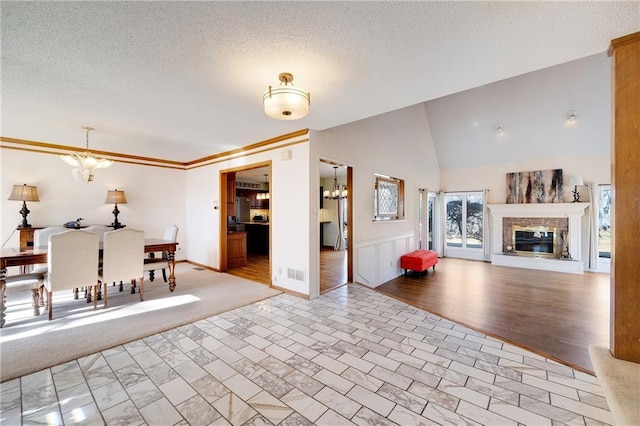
{"type": "Point", "coordinates": [378, 261]}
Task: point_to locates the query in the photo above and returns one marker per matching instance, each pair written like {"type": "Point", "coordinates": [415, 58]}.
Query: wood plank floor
{"type": "Point", "coordinates": [557, 315]}
{"type": "Point", "coordinates": [333, 269]}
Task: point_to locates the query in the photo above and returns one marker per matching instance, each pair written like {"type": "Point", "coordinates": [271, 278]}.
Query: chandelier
{"type": "Point", "coordinates": [85, 164]}
{"type": "Point", "coordinates": [336, 192]}
{"type": "Point", "coordinates": [286, 102]}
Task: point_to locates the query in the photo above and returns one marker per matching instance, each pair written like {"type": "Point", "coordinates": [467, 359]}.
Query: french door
{"type": "Point", "coordinates": [464, 225]}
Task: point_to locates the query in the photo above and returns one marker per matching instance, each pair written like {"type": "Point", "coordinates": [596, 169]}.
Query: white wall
{"type": "Point", "coordinates": [398, 144]}
{"type": "Point", "coordinates": [594, 169]}
{"type": "Point", "coordinates": [288, 218]}
{"type": "Point", "coordinates": [155, 196]}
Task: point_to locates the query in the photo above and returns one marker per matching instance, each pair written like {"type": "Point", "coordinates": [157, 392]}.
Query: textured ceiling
{"type": "Point", "coordinates": [182, 80]}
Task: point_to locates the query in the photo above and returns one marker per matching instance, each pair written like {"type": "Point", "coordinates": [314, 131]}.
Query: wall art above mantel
{"type": "Point", "coordinates": [540, 186]}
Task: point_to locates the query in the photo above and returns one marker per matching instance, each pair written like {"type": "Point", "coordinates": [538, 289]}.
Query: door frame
{"type": "Point", "coordinates": [350, 223]}
{"type": "Point", "coordinates": [224, 175]}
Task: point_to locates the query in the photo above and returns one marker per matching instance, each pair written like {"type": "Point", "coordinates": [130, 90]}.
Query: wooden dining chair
{"type": "Point", "coordinates": [41, 239]}
{"type": "Point", "coordinates": [152, 263]}
{"type": "Point", "coordinates": [98, 229]}
{"type": "Point", "coordinates": [28, 281]}
{"type": "Point", "coordinates": [122, 259]}
{"type": "Point", "coordinates": [72, 262]}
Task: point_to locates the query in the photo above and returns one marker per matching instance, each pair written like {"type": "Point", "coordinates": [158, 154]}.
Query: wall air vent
{"type": "Point", "coordinates": [295, 274]}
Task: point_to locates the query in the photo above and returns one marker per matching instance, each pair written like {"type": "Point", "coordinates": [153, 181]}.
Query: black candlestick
{"type": "Point", "coordinates": [24, 211]}
{"type": "Point", "coordinates": [576, 195]}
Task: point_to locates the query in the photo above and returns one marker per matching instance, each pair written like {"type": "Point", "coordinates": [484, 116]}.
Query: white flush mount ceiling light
{"type": "Point", "coordinates": [499, 128]}
{"type": "Point", "coordinates": [572, 116]}
{"type": "Point", "coordinates": [85, 164]}
{"type": "Point", "coordinates": [286, 102]}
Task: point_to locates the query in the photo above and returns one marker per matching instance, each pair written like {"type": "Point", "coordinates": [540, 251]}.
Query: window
{"type": "Point", "coordinates": [465, 217]}
{"type": "Point", "coordinates": [604, 222]}
{"type": "Point", "coordinates": [388, 198]}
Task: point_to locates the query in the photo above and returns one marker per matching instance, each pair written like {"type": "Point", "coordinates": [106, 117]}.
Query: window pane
{"type": "Point", "coordinates": [387, 198]}
{"type": "Point", "coordinates": [474, 221]}
{"type": "Point", "coordinates": [604, 223]}
{"type": "Point", "coordinates": [454, 220]}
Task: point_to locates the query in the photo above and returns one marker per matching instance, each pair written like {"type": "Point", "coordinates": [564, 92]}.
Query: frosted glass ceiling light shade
{"type": "Point", "coordinates": [84, 165]}
{"type": "Point", "coordinates": [286, 102]}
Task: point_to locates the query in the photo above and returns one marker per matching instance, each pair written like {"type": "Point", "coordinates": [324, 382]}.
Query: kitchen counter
{"type": "Point", "coordinates": [255, 223]}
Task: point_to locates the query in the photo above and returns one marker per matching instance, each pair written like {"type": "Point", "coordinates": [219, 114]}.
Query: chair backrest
{"type": "Point", "coordinates": [72, 260]}
{"type": "Point", "coordinates": [41, 236]}
{"type": "Point", "coordinates": [98, 229]}
{"type": "Point", "coordinates": [171, 233]}
{"type": "Point", "coordinates": [122, 255]}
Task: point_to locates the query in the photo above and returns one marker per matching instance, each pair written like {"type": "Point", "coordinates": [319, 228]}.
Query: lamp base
{"type": "Point", "coordinates": [24, 211]}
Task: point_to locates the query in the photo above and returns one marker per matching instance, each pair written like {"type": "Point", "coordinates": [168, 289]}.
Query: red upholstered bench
{"type": "Point", "coordinates": [419, 261]}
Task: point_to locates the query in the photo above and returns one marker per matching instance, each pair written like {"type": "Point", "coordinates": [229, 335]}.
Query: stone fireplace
{"type": "Point", "coordinates": [549, 227]}
{"type": "Point", "coordinates": [548, 236]}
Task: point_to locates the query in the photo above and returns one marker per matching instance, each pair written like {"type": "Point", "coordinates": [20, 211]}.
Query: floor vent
{"type": "Point", "coordinates": [198, 269]}
{"type": "Point", "coordinates": [295, 274]}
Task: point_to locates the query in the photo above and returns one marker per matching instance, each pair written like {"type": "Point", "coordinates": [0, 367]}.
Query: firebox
{"type": "Point", "coordinates": [537, 241]}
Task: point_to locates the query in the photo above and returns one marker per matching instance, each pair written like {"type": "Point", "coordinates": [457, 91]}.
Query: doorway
{"type": "Point", "coordinates": [335, 221]}
{"type": "Point", "coordinates": [245, 222]}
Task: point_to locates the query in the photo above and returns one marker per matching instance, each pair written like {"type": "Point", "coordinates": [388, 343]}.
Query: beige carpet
{"type": "Point", "coordinates": [620, 381]}
{"type": "Point", "coordinates": [29, 344]}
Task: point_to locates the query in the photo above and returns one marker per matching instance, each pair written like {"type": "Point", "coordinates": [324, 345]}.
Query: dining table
{"type": "Point", "coordinates": [25, 256]}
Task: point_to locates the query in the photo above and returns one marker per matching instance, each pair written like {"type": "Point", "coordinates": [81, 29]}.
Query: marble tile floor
{"type": "Point", "coordinates": [350, 356]}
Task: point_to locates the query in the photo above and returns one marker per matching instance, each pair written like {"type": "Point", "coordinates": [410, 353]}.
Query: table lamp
{"type": "Point", "coordinates": [24, 193]}
{"type": "Point", "coordinates": [116, 197]}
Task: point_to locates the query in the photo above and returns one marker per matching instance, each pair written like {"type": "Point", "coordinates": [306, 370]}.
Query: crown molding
{"type": "Point", "coordinates": [55, 149]}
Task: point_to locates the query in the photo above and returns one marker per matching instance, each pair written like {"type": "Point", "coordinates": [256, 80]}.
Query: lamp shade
{"type": "Point", "coordinates": [286, 102]}
{"type": "Point", "coordinates": [116, 197]}
{"type": "Point", "coordinates": [576, 181]}
{"type": "Point", "coordinates": [24, 193]}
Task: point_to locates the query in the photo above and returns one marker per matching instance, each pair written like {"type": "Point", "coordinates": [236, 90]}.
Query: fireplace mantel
{"type": "Point", "coordinates": [538, 210]}
{"type": "Point", "coordinates": [573, 211]}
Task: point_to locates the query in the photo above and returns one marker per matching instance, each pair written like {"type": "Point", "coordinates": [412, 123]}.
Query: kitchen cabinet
{"type": "Point", "coordinates": [257, 238]}
{"type": "Point", "coordinates": [255, 202]}
{"type": "Point", "coordinates": [231, 194]}
{"type": "Point", "coordinates": [236, 249]}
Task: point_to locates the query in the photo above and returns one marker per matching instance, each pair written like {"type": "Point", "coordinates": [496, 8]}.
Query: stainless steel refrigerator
{"type": "Point", "coordinates": [242, 209]}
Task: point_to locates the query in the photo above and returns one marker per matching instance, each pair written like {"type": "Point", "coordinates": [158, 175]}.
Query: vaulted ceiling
{"type": "Point", "coordinates": [182, 80]}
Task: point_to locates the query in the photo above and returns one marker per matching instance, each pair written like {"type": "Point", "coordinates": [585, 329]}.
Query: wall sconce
{"type": "Point", "coordinates": [24, 193]}
{"type": "Point", "coordinates": [499, 128]}
{"type": "Point", "coordinates": [576, 181]}
{"type": "Point", "coordinates": [116, 197]}
{"type": "Point", "coordinates": [572, 116]}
